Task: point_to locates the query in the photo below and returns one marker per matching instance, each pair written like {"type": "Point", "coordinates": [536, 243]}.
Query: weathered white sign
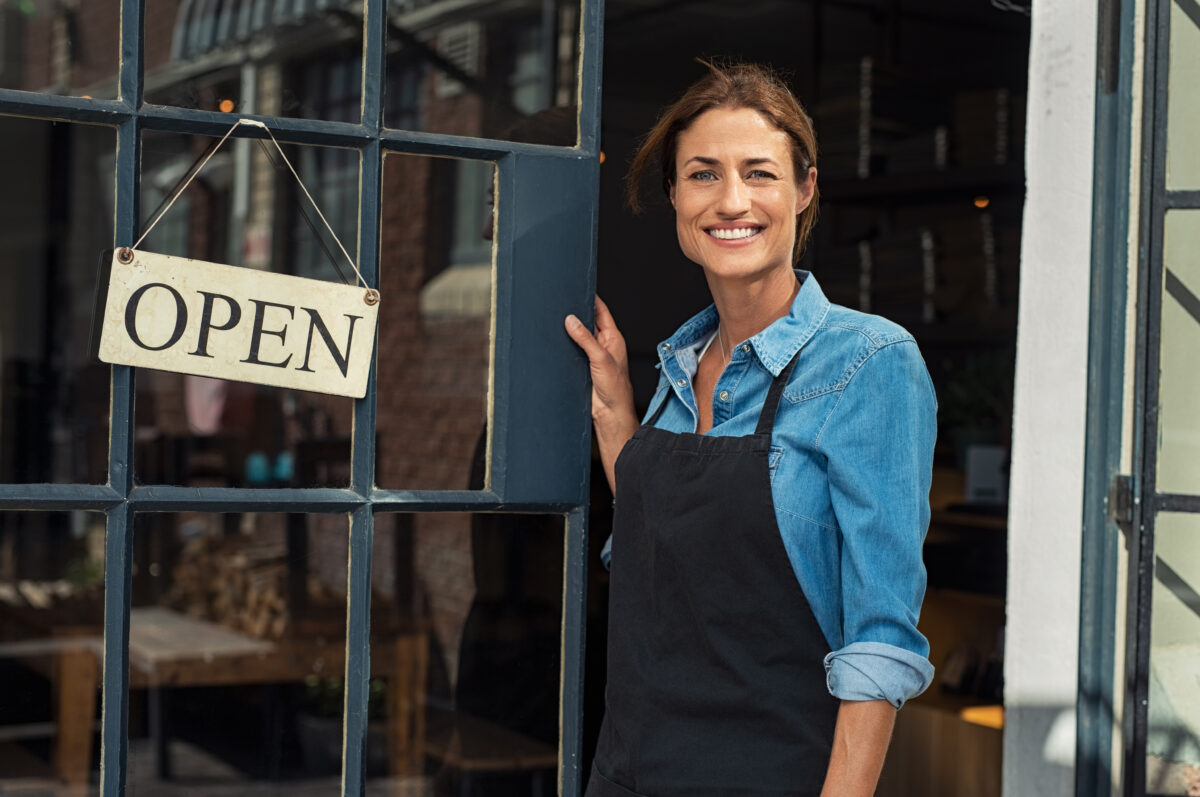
{"type": "Point", "coordinates": [209, 319]}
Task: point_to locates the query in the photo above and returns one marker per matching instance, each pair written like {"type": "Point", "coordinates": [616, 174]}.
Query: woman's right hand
{"type": "Point", "coordinates": [613, 413]}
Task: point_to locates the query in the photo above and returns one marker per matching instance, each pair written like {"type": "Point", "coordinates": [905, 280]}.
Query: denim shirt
{"type": "Point", "coordinates": [851, 458]}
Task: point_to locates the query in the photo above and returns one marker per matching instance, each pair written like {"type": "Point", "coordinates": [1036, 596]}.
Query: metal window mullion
{"type": "Point", "coordinates": [374, 63]}
{"type": "Point", "coordinates": [412, 142]}
{"type": "Point", "coordinates": [1183, 200]}
{"type": "Point", "coordinates": [130, 78]}
{"type": "Point", "coordinates": [575, 556]}
{"type": "Point", "coordinates": [1174, 502]}
{"type": "Point", "coordinates": [119, 528]}
{"type": "Point", "coordinates": [114, 713]}
{"type": "Point", "coordinates": [1141, 570]}
{"type": "Point", "coordinates": [177, 498]}
{"type": "Point", "coordinates": [58, 107]}
{"type": "Point", "coordinates": [288, 130]}
{"type": "Point", "coordinates": [460, 500]}
{"type": "Point", "coordinates": [93, 497]}
{"type": "Point", "coordinates": [126, 224]}
{"type": "Point", "coordinates": [358, 652]}
{"type": "Point", "coordinates": [362, 468]}
{"type": "Point", "coordinates": [591, 44]}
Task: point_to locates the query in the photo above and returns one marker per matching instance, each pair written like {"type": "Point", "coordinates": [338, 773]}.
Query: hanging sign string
{"type": "Point", "coordinates": [372, 295]}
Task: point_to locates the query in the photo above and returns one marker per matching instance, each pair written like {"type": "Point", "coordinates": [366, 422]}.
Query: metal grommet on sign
{"type": "Point", "coordinates": [371, 297]}
{"type": "Point", "coordinates": [125, 255]}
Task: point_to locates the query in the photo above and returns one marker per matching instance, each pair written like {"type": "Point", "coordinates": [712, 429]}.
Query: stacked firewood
{"type": "Point", "coordinates": [235, 582]}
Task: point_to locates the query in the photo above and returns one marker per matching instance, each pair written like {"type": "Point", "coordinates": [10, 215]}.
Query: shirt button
{"type": "Point", "coordinates": [746, 347]}
{"type": "Point", "coordinates": [724, 395]}
{"type": "Point", "coordinates": [681, 382]}
{"type": "Point", "coordinates": [666, 347]}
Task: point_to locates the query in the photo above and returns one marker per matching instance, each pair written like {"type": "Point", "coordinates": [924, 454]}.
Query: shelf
{"type": "Point", "coordinates": [955, 181]}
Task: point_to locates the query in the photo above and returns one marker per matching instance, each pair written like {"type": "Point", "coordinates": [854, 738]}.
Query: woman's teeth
{"type": "Point", "coordinates": [730, 235]}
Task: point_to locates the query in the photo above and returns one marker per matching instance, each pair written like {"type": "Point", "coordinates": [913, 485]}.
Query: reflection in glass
{"type": "Point", "coordinates": [1179, 379]}
{"type": "Point", "coordinates": [1173, 737]}
{"type": "Point", "coordinates": [1183, 109]}
{"type": "Point", "coordinates": [51, 646]}
{"type": "Point", "coordinates": [494, 71]}
{"type": "Point", "coordinates": [435, 321]}
{"type": "Point", "coordinates": [246, 209]}
{"type": "Point", "coordinates": [53, 393]}
{"type": "Point", "coordinates": [466, 631]}
{"type": "Point", "coordinates": [237, 650]}
{"type": "Point", "coordinates": [251, 57]}
{"type": "Point", "coordinates": [61, 48]}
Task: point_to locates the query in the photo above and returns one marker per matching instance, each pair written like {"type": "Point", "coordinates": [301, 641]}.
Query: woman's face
{"type": "Point", "coordinates": [736, 194]}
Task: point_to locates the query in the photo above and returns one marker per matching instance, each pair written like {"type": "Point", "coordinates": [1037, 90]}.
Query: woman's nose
{"type": "Point", "coordinates": [735, 198]}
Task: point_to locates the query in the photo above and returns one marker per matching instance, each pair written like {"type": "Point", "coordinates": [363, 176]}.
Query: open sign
{"type": "Point", "coordinates": [209, 319]}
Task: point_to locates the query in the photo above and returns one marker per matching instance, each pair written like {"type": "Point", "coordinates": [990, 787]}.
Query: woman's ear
{"type": "Point", "coordinates": [671, 193]}
{"type": "Point", "coordinates": [807, 188]}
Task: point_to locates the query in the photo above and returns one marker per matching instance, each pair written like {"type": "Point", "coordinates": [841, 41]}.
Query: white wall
{"type": "Point", "coordinates": [1046, 499]}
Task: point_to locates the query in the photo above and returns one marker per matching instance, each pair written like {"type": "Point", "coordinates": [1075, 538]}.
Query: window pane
{"type": "Point", "coordinates": [61, 48]}
{"type": "Point", "coordinates": [51, 645]}
{"type": "Point", "coordinates": [53, 393]}
{"type": "Point", "coordinates": [434, 323]}
{"type": "Point", "coordinates": [466, 631]}
{"type": "Point", "coordinates": [1183, 111]}
{"type": "Point", "coordinates": [246, 209]}
{"type": "Point", "coordinates": [1173, 738]}
{"type": "Point", "coordinates": [237, 650]}
{"type": "Point", "coordinates": [288, 58]}
{"type": "Point", "coordinates": [1179, 379]}
{"type": "Point", "coordinates": [496, 70]}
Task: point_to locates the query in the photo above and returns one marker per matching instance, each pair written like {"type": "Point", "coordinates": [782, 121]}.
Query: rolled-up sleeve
{"type": "Point", "coordinates": [879, 443]}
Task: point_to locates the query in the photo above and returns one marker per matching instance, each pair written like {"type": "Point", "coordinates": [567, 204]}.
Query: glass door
{"type": "Point", "coordinates": [1163, 708]}
{"type": "Point", "coordinates": [250, 589]}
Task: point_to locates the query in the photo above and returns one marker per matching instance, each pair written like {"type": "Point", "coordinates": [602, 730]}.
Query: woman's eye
{"type": "Point", "coordinates": [704, 175]}
{"type": "Point", "coordinates": [759, 174]}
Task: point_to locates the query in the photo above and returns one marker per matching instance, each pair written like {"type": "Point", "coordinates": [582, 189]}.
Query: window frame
{"type": "Point", "coordinates": [539, 445]}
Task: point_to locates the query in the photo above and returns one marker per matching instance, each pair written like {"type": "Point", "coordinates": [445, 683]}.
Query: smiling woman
{"type": "Point", "coordinates": [771, 508]}
{"type": "Point", "coordinates": [737, 197]}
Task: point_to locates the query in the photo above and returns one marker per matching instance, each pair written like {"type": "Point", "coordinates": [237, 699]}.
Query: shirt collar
{"type": "Point", "coordinates": [777, 344]}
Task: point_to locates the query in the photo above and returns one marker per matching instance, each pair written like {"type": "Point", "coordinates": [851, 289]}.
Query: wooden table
{"type": "Point", "coordinates": [168, 649]}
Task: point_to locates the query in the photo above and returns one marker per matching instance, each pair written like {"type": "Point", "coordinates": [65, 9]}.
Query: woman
{"type": "Point", "coordinates": [766, 550]}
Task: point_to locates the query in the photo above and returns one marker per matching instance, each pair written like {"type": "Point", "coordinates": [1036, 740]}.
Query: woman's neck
{"type": "Point", "coordinates": [748, 307]}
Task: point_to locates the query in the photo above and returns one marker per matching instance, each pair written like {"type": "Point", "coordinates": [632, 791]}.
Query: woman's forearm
{"type": "Point", "coordinates": [613, 430]}
{"type": "Point", "coordinates": [860, 743]}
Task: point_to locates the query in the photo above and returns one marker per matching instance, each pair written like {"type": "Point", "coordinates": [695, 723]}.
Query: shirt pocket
{"type": "Point", "coordinates": [773, 460]}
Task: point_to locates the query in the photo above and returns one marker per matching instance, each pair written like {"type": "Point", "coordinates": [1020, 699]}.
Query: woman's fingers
{"type": "Point", "coordinates": [604, 319]}
{"type": "Point", "coordinates": [585, 339]}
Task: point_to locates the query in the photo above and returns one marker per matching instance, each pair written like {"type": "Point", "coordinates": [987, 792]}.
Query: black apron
{"type": "Point", "coordinates": [716, 682]}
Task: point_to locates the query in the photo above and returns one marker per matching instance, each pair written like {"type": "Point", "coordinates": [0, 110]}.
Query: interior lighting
{"type": "Point", "coordinates": [982, 202]}
{"type": "Point", "coordinates": [226, 106]}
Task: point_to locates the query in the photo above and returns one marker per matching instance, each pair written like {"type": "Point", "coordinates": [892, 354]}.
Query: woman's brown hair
{"type": "Point", "coordinates": [730, 86]}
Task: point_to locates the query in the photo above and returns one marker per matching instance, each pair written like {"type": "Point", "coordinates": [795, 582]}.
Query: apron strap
{"type": "Point", "coordinates": [766, 419]}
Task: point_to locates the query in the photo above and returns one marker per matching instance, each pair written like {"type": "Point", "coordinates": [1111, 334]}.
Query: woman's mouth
{"type": "Point", "coordinates": [734, 233]}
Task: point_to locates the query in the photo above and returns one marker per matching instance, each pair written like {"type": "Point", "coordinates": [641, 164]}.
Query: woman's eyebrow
{"type": "Point", "coordinates": [715, 162]}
